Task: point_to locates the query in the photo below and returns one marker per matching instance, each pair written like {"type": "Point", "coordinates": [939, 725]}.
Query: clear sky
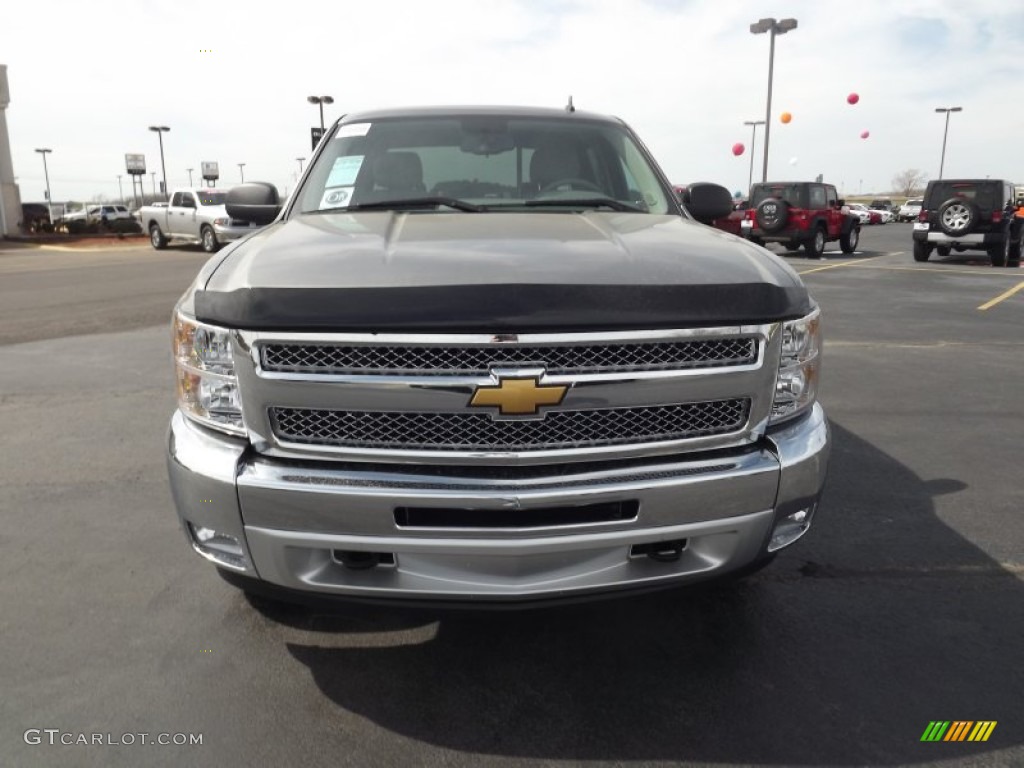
{"type": "Point", "coordinates": [231, 79]}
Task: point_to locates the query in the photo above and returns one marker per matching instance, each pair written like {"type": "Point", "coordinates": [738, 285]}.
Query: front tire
{"type": "Point", "coordinates": [816, 245]}
{"type": "Point", "coordinates": [209, 240]}
{"type": "Point", "coordinates": [922, 251]}
{"type": "Point", "coordinates": [156, 237]}
{"type": "Point", "coordinates": [849, 241]}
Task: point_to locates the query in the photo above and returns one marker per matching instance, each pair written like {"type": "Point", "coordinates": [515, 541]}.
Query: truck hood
{"type": "Point", "coordinates": [489, 272]}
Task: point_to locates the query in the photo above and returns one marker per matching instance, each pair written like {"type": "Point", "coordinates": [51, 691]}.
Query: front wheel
{"type": "Point", "coordinates": [209, 239]}
{"type": "Point", "coordinates": [848, 241]}
{"type": "Point", "coordinates": [921, 251]}
{"type": "Point", "coordinates": [156, 237]}
{"type": "Point", "coordinates": [816, 245]}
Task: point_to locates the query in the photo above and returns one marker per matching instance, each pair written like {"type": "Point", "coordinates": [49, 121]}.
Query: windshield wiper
{"type": "Point", "coordinates": [409, 202]}
{"type": "Point", "coordinates": [584, 202]}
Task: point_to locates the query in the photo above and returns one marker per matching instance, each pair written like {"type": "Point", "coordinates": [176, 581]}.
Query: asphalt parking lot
{"type": "Point", "coordinates": [901, 607]}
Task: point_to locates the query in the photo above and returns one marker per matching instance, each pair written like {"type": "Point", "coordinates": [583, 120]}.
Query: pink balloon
{"type": "Point", "coordinates": [853, 98]}
{"type": "Point", "coordinates": [865, 134]}
{"type": "Point", "coordinates": [738, 149]}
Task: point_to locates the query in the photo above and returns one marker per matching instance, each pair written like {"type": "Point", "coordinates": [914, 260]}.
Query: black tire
{"type": "Point", "coordinates": [957, 217]}
{"type": "Point", "coordinates": [792, 247]}
{"type": "Point", "coordinates": [943, 250]}
{"type": "Point", "coordinates": [156, 237]}
{"type": "Point", "coordinates": [208, 238]}
{"type": "Point", "coordinates": [921, 251]}
{"type": "Point", "coordinates": [816, 245]}
{"type": "Point", "coordinates": [1013, 259]}
{"type": "Point", "coordinates": [756, 240]}
{"type": "Point", "coordinates": [849, 240]}
{"type": "Point", "coordinates": [999, 254]}
{"type": "Point", "coordinates": [772, 214]}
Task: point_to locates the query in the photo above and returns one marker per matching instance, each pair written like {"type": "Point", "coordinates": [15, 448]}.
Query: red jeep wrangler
{"type": "Point", "coordinates": [797, 213]}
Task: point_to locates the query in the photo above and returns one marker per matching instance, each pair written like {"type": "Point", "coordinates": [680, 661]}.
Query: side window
{"type": "Point", "coordinates": [187, 201]}
{"type": "Point", "coordinates": [817, 197]}
{"type": "Point", "coordinates": [830, 197]}
{"type": "Point", "coordinates": [176, 199]}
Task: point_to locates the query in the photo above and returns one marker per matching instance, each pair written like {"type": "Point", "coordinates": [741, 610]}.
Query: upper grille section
{"type": "Point", "coordinates": [479, 432]}
{"type": "Point", "coordinates": [441, 360]}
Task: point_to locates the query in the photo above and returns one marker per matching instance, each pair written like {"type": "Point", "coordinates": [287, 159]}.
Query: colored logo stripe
{"type": "Point", "coordinates": [958, 730]}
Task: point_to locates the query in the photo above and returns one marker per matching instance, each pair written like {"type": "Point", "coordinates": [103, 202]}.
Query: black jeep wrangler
{"type": "Point", "coordinates": [797, 213]}
{"type": "Point", "coordinates": [969, 214]}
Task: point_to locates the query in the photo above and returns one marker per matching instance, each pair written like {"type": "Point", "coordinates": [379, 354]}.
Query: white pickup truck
{"type": "Point", "coordinates": [193, 216]}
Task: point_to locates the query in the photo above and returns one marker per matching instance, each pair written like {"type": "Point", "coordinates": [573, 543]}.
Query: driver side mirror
{"type": "Point", "coordinates": [255, 201]}
{"type": "Point", "coordinates": [707, 202]}
{"type": "Point", "coordinates": [840, 202]}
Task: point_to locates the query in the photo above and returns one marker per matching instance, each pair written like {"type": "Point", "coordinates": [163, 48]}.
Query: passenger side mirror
{"type": "Point", "coordinates": [255, 201]}
{"type": "Point", "coordinates": [707, 202]}
{"type": "Point", "coordinates": [840, 202]}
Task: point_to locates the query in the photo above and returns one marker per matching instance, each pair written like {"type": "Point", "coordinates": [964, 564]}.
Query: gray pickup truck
{"type": "Point", "coordinates": [486, 355]}
{"type": "Point", "coordinates": [193, 216]}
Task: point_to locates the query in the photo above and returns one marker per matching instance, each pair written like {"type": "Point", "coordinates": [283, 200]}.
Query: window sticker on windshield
{"type": "Point", "coordinates": [335, 197]}
{"type": "Point", "coordinates": [344, 171]}
{"type": "Point", "coordinates": [353, 129]}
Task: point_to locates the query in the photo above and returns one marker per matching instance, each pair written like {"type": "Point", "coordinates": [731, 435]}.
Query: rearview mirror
{"type": "Point", "coordinates": [255, 201]}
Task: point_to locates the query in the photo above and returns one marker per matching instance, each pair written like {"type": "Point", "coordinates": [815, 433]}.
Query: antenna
{"type": "Point", "coordinates": [569, 107]}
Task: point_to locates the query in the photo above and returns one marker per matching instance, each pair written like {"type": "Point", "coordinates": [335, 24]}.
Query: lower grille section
{"type": "Point", "coordinates": [480, 432]}
{"type": "Point", "coordinates": [429, 517]}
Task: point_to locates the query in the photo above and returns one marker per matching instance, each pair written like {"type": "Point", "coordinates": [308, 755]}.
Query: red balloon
{"type": "Point", "coordinates": [865, 134]}
{"type": "Point", "coordinates": [738, 149]}
{"type": "Point", "coordinates": [853, 98]}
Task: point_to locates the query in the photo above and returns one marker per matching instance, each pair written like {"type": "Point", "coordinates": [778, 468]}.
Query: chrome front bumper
{"type": "Point", "coordinates": [292, 519]}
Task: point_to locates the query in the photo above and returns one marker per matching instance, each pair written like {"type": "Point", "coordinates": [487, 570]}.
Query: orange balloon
{"type": "Point", "coordinates": [785, 117]}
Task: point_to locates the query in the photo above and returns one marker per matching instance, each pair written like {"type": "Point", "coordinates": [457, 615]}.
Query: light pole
{"type": "Point", "coordinates": [773, 28]}
{"type": "Point", "coordinates": [190, 175]}
{"type": "Point", "coordinates": [241, 170]}
{"type": "Point", "coordinates": [321, 100]}
{"type": "Point", "coordinates": [753, 142]}
{"type": "Point", "coordinates": [153, 174]}
{"type": "Point", "coordinates": [945, 133]}
{"type": "Point", "coordinates": [300, 159]}
{"type": "Point", "coordinates": [160, 130]}
{"type": "Point", "coordinates": [49, 200]}
{"type": "Point", "coordinates": [120, 190]}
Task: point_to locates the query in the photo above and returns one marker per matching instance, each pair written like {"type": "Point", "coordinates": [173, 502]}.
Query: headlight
{"type": "Point", "coordinates": [221, 222]}
{"type": "Point", "coordinates": [205, 374]}
{"type": "Point", "coordinates": [796, 387]}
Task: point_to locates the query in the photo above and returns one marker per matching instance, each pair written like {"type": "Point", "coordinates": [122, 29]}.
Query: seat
{"type": "Point", "coordinates": [398, 175]}
{"type": "Point", "coordinates": [553, 162]}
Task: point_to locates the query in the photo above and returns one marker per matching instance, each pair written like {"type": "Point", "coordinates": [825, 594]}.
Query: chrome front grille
{"type": "Point", "coordinates": [558, 430]}
{"type": "Point", "coordinates": [477, 360]}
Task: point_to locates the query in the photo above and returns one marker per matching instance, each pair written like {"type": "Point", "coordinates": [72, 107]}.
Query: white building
{"type": "Point", "coordinates": [10, 199]}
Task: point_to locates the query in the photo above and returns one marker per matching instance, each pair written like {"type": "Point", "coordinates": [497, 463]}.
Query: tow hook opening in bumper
{"type": "Point", "coordinates": [362, 561]}
{"type": "Point", "coordinates": [659, 551]}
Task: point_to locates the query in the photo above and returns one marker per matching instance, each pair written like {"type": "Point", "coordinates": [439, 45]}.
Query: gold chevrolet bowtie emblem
{"type": "Point", "coordinates": [519, 397]}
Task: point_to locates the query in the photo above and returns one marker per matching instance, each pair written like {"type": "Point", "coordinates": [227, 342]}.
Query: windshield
{"type": "Point", "coordinates": [492, 162]}
{"type": "Point", "coordinates": [210, 197]}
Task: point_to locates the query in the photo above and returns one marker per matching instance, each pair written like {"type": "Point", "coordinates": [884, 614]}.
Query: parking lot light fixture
{"type": "Point", "coordinates": [320, 100]}
{"type": "Point", "coordinates": [753, 141]}
{"type": "Point", "coordinates": [241, 171]}
{"type": "Point", "coordinates": [300, 159]}
{"type": "Point", "coordinates": [160, 130]}
{"type": "Point", "coordinates": [46, 173]}
{"type": "Point", "coordinates": [773, 28]}
{"type": "Point", "coordinates": [190, 175]}
{"type": "Point", "coordinates": [945, 133]}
